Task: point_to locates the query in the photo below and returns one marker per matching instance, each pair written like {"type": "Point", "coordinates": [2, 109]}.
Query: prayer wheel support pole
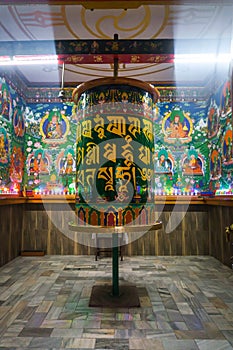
{"type": "Point", "coordinates": [115, 68]}
{"type": "Point", "coordinates": [115, 265]}
{"type": "Point", "coordinates": [115, 252]}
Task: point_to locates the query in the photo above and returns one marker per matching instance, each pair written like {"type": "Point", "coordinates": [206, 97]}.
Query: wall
{"type": "Point", "coordinates": [50, 148]}
{"type": "Point", "coordinates": [220, 138]}
{"type": "Point", "coordinates": [11, 231]}
{"type": "Point", "coordinates": [31, 227]}
{"type": "Point", "coordinates": [45, 227]}
{"type": "Point", "coordinates": [181, 147]}
{"type": "Point", "coordinates": [205, 140]}
{"type": "Point", "coordinates": [193, 141]}
{"type": "Point", "coordinates": [220, 248]}
{"type": "Point", "coordinates": [48, 230]}
{"type": "Point", "coordinates": [12, 130]}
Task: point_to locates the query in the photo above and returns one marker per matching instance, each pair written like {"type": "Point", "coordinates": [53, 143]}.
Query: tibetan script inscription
{"type": "Point", "coordinates": [92, 156]}
{"type": "Point", "coordinates": [117, 125]}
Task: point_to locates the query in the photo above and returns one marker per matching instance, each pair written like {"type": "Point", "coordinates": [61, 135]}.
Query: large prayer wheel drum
{"type": "Point", "coordinates": [115, 147]}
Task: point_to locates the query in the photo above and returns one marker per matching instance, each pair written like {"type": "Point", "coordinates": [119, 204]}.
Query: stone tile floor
{"type": "Point", "coordinates": [188, 304]}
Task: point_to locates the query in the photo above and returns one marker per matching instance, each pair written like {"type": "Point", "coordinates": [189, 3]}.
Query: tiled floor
{"type": "Point", "coordinates": [186, 303]}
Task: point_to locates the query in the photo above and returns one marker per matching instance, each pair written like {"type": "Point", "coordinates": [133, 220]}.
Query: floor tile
{"type": "Point", "coordinates": [186, 303]}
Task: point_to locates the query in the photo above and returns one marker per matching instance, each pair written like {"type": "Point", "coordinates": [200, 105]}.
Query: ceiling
{"type": "Point", "coordinates": [66, 20]}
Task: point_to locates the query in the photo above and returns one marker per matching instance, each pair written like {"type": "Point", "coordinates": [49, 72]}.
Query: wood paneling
{"type": "Point", "coordinates": [38, 226]}
{"type": "Point", "coordinates": [45, 227]}
{"type": "Point", "coordinates": [48, 230]}
{"type": "Point", "coordinates": [219, 218]}
{"type": "Point", "coordinates": [189, 237]}
{"type": "Point", "coordinates": [10, 233]}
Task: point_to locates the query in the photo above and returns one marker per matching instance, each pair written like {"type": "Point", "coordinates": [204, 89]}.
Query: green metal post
{"type": "Point", "coordinates": [115, 266]}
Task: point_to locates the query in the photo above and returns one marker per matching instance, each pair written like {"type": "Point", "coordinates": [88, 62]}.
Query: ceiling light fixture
{"type": "Point", "coordinates": [61, 93]}
{"type": "Point", "coordinates": [22, 60]}
{"type": "Point", "coordinates": [203, 58]}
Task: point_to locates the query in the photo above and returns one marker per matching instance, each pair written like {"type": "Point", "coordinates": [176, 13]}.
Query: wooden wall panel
{"type": "Point", "coordinates": [42, 230]}
{"type": "Point", "coordinates": [219, 218]}
{"type": "Point", "coordinates": [189, 237]}
{"type": "Point", "coordinates": [31, 227]}
{"type": "Point", "coordinates": [45, 227]}
{"type": "Point", "coordinates": [10, 233]}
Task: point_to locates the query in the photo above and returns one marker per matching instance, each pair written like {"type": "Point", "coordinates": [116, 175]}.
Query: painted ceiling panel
{"type": "Point", "coordinates": [65, 22]}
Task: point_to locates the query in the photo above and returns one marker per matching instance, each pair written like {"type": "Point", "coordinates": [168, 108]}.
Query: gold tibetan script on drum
{"type": "Point", "coordinates": [117, 125]}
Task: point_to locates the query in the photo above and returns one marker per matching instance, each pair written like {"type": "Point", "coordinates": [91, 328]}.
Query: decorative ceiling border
{"type": "Point", "coordinates": [50, 94]}
{"type": "Point", "coordinates": [104, 51]}
{"type": "Point", "coordinates": [117, 4]}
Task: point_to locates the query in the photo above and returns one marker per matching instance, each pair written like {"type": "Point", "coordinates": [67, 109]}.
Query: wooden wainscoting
{"type": "Point", "coordinates": [47, 229]}
{"type": "Point", "coordinates": [11, 217]}
{"type": "Point", "coordinates": [220, 217]}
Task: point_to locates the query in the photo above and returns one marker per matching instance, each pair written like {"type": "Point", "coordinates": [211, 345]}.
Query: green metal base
{"type": "Point", "coordinates": [102, 296]}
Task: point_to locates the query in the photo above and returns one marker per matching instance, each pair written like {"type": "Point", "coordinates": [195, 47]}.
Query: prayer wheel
{"type": "Point", "coordinates": [115, 150]}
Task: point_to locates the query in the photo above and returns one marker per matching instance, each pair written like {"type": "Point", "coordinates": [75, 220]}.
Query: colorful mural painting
{"type": "Point", "coordinates": [213, 119]}
{"type": "Point", "coordinates": [177, 126]}
{"type": "Point", "coordinates": [221, 158]}
{"type": "Point", "coordinates": [181, 145]}
{"type": "Point", "coordinates": [12, 129]}
{"type": "Point", "coordinates": [4, 146]}
{"type": "Point", "coordinates": [50, 149]}
{"type": "Point", "coordinates": [192, 149]}
{"type": "Point", "coordinates": [5, 100]}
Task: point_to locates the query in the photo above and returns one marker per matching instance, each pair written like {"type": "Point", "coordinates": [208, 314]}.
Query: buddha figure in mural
{"type": "Point", "coordinates": [17, 165]}
{"type": "Point", "coordinates": [192, 163]}
{"type": "Point", "coordinates": [177, 130]}
{"type": "Point", "coordinates": [53, 130]}
{"type": "Point", "coordinates": [18, 122]}
{"type": "Point", "coordinates": [227, 148]}
{"type": "Point", "coordinates": [177, 126]}
{"type": "Point", "coordinates": [54, 127]}
{"type": "Point", "coordinates": [163, 163]}
{"type": "Point", "coordinates": [215, 165]}
{"type": "Point", "coordinates": [38, 163]}
{"type": "Point", "coordinates": [213, 119]}
{"type": "Point", "coordinates": [69, 166]}
{"type": "Point", "coordinates": [5, 100]}
{"type": "Point", "coordinates": [226, 98]}
{"type": "Point", "coordinates": [4, 146]}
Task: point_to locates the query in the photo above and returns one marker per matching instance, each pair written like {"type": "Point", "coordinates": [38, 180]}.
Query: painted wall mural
{"type": "Point", "coordinates": [221, 158]}
{"type": "Point", "coordinates": [193, 144]}
{"type": "Point", "coordinates": [12, 129]}
{"type": "Point", "coordinates": [181, 148]}
{"type": "Point", "coordinates": [50, 148]}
